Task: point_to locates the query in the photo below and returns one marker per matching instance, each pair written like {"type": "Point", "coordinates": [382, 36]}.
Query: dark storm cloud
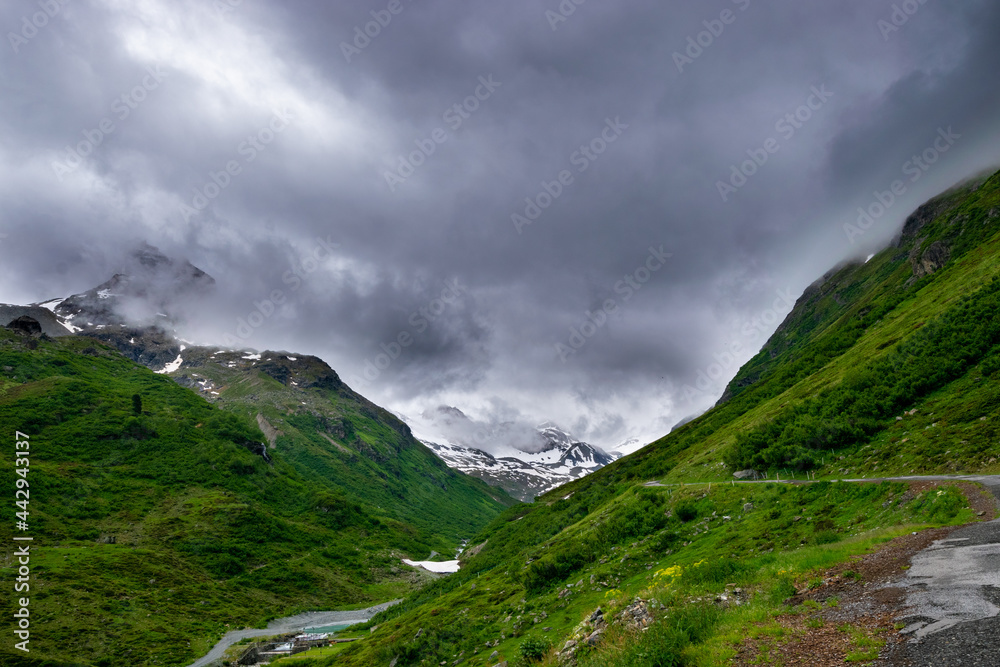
{"type": "Point", "coordinates": [244, 139]}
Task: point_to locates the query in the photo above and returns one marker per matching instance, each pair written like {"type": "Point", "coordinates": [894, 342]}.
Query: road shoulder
{"type": "Point", "coordinates": [858, 606]}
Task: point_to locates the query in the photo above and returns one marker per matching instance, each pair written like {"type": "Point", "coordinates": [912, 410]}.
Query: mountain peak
{"type": "Point", "coordinates": [149, 288]}
{"type": "Point", "coordinates": [525, 466]}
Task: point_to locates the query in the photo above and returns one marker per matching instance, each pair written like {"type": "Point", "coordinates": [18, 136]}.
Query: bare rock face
{"type": "Point", "coordinates": [930, 260]}
{"type": "Point", "coordinates": [923, 216]}
{"type": "Point", "coordinates": [152, 347]}
{"type": "Point", "coordinates": [268, 430]}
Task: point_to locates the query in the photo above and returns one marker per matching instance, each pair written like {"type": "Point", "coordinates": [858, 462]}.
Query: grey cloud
{"type": "Point", "coordinates": [324, 176]}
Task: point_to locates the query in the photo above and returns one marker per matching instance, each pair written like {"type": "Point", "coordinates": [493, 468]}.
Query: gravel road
{"type": "Point", "coordinates": [953, 592]}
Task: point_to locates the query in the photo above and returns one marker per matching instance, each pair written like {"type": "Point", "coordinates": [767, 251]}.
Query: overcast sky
{"type": "Point", "coordinates": [279, 147]}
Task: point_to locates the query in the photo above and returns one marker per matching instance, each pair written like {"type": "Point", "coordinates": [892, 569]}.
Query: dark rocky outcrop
{"type": "Point", "coordinates": [151, 347]}
{"type": "Point", "coordinates": [28, 326]}
{"type": "Point", "coordinates": [930, 260]}
{"type": "Point", "coordinates": [258, 448]}
{"type": "Point", "coordinates": [277, 370]}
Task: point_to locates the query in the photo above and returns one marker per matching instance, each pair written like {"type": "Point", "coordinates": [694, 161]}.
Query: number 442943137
{"type": "Point", "coordinates": [22, 464]}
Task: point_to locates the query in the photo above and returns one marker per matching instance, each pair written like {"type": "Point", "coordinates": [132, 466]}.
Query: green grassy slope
{"type": "Point", "coordinates": [547, 568]}
{"type": "Point", "coordinates": [889, 366]}
{"type": "Point", "coordinates": [335, 437]}
{"type": "Point", "coordinates": [869, 342]}
{"type": "Point", "coordinates": [158, 527]}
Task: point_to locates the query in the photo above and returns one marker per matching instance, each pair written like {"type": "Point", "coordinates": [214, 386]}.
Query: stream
{"type": "Point", "coordinates": [296, 623]}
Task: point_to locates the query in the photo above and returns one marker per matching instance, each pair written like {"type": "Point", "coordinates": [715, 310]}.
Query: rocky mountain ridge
{"type": "Point", "coordinates": [523, 474]}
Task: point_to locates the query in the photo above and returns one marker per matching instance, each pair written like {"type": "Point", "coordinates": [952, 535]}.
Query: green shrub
{"type": "Point", "coordinates": [534, 650]}
{"type": "Point", "coordinates": [826, 537]}
{"type": "Point", "coordinates": [782, 589]}
{"type": "Point", "coordinates": [686, 511]}
{"type": "Point", "coordinates": [666, 540]}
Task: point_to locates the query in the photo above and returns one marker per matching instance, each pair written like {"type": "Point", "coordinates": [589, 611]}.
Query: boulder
{"type": "Point", "coordinates": [28, 326]}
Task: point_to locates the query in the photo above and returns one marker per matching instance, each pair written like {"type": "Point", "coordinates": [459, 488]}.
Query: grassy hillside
{"type": "Point", "coordinates": [159, 524]}
{"type": "Point", "coordinates": [335, 437]}
{"type": "Point", "coordinates": [546, 569]}
{"type": "Point", "coordinates": [889, 366]}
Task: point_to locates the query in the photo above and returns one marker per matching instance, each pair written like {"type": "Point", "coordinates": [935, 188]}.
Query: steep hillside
{"type": "Point", "coordinates": [161, 520]}
{"type": "Point", "coordinates": [882, 366]}
{"type": "Point", "coordinates": [335, 437]}
{"type": "Point", "coordinates": [885, 366]}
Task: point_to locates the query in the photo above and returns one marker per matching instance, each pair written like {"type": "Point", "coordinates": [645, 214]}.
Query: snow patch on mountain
{"type": "Point", "coordinates": [172, 366]}
{"type": "Point", "coordinates": [553, 457]}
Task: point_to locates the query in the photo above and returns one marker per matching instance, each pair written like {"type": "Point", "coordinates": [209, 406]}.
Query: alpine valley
{"type": "Point", "coordinates": [188, 490]}
{"type": "Point", "coordinates": [886, 367]}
